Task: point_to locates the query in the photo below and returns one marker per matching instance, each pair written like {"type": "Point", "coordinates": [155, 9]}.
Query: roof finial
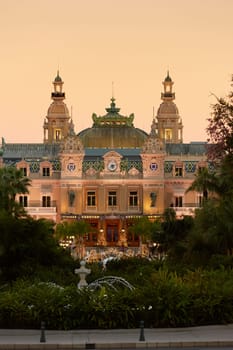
{"type": "Point", "coordinates": [112, 89]}
{"type": "Point", "coordinates": [58, 66]}
{"type": "Point", "coordinates": [168, 78]}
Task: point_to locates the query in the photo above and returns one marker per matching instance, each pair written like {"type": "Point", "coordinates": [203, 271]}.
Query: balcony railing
{"type": "Point", "coordinates": [187, 209]}
{"type": "Point", "coordinates": [39, 204]}
{"type": "Point", "coordinates": [134, 208]}
{"type": "Point", "coordinates": [40, 210]}
{"type": "Point", "coordinates": [53, 175]}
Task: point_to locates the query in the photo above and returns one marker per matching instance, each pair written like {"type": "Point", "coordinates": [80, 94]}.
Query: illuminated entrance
{"type": "Point", "coordinates": [112, 232]}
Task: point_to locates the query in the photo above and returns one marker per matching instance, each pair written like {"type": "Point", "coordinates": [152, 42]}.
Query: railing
{"type": "Point", "coordinates": [38, 175]}
{"type": "Point", "coordinates": [134, 208]}
{"type": "Point", "coordinates": [191, 205]}
{"type": "Point", "coordinates": [37, 208]}
{"type": "Point", "coordinates": [107, 249]}
{"type": "Point", "coordinates": [41, 210]}
{"type": "Point", "coordinates": [39, 204]}
{"type": "Point", "coordinates": [186, 209]}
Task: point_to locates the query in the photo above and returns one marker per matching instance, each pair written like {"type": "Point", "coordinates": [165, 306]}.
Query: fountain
{"type": "Point", "coordinates": [110, 281]}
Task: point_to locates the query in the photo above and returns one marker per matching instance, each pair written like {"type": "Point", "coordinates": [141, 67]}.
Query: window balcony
{"type": "Point", "coordinates": [41, 210]}
{"type": "Point", "coordinates": [187, 209]}
{"type": "Point", "coordinates": [134, 208]}
{"type": "Point", "coordinates": [39, 204]}
{"type": "Point", "coordinates": [36, 208]}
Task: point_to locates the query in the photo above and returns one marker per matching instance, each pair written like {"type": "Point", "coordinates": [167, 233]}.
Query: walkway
{"type": "Point", "coordinates": [206, 336]}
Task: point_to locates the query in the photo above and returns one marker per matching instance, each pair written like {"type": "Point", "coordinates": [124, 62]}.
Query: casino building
{"type": "Point", "coordinates": [110, 173]}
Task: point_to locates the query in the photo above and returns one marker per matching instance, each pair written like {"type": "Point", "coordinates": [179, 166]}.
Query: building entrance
{"type": "Point", "coordinates": [112, 233]}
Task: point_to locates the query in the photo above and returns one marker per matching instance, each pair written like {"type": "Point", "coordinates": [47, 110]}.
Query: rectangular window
{"type": "Point", "coordinates": [133, 199]}
{"type": "Point", "coordinates": [24, 171]}
{"type": "Point", "coordinates": [132, 237]}
{"type": "Point", "coordinates": [92, 236]}
{"type": "Point", "coordinates": [46, 201]}
{"type": "Point", "coordinates": [178, 171]}
{"type": "Point", "coordinates": [91, 199]}
{"type": "Point", "coordinates": [179, 201]}
{"type": "Point", "coordinates": [112, 198]}
{"type": "Point", "coordinates": [112, 233]}
{"type": "Point", "coordinates": [57, 134]}
{"type": "Point", "coordinates": [23, 200]}
{"type": "Point", "coordinates": [46, 171]}
{"type": "Point", "coordinates": [168, 134]}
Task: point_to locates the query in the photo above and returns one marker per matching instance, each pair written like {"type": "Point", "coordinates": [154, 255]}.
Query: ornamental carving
{"type": "Point", "coordinates": [153, 145]}
{"type": "Point", "coordinates": [72, 144]}
{"type": "Point", "coordinates": [133, 172]}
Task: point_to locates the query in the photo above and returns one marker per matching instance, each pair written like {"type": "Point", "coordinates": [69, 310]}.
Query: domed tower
{"type": "Point", "coordinates": [169, 123]}
{"type": "Point", "coordinates": [58, 124]}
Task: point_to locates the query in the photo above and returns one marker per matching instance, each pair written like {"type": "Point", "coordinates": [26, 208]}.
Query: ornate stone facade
{"type": "Point", "coordinates": [111, 173]}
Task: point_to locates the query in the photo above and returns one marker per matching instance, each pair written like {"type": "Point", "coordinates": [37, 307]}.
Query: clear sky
{"type": "Point", "coordinates": [96, 42]}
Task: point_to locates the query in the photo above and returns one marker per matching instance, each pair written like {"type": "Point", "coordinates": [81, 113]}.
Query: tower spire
{"type": "Point", "coordinates": [58, 94]}
{"type": "Point", "coordinates": [169, 124]}
{"type": "Point", "coordinates": [168, 95]}
{"type": "Point", "coordinates": [57, 123]}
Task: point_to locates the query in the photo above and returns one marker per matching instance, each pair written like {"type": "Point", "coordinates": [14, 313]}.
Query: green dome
{"type": "Point", "coordinates": [113, 130]}
{"type": "Point", "coordinates": [113, 137]}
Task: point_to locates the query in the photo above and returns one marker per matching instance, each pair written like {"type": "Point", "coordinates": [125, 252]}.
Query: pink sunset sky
{"type": "Point", "coordinates": [96, 42]}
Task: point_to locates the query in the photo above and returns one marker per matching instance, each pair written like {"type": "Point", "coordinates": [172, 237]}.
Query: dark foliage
{"type": "Point", "coordinates": [28, 246]}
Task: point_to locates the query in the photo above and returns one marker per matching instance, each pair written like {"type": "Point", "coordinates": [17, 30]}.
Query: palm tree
{"type": "Point", "coordinates": [174, 233]}
{"type": "Point", "coordinates": [12, 182]}
{"type": "Point", "coordinates": [205, 182]}
{"type": "Point", "coordinates": [74, 231]}
{"type": "Point", "coordinates": [142, 228]}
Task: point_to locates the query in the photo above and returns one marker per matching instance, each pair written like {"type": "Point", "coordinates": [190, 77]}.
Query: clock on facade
{"type": "Point", "coordinates": [112, 165]}
{"type": "Point", "coordinates": [153, 166]}
{"type": "Point", "coordinates": [71, 166]}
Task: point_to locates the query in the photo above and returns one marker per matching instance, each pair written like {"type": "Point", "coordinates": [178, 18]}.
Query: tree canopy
{"type": "Point", "coordinates": [220, 128]}
{"type": "Point", "coordinates": [77, 229]}
{"type": "Point", "coordinates": [73, 231]}
{"type": "Point", "coordinates": [28, 245]}
{"type": "Point", "coordinates": [205, 182]}
{"type": "Point", "coordinates": [213, 225]}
